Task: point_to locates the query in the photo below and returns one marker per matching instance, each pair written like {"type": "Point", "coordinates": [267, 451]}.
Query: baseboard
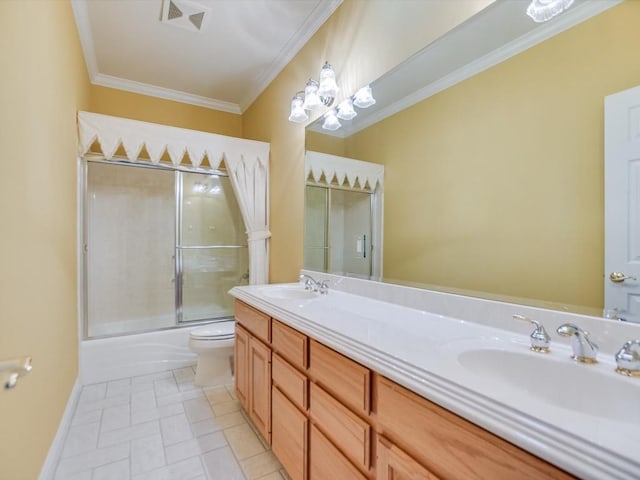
{"type": "Point", "coordinates": [55, 450]}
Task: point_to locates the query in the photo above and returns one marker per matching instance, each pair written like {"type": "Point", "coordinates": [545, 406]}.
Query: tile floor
{"type": "Point", "coordinates": [162, 427]}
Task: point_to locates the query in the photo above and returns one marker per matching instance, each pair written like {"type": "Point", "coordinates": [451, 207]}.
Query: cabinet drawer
{"type": "Point", "coordinates": [346, 430]}
{"type": "Point", "coordinates": [289, 436]}
{"type": "Point", "coordinates": [256, 322]}
{"type": "Point", "coordinates": [394, 464]}
{"type": "Point", "coordinates": [450, 446]}
{"type": "Point", "coordinates": [327, 463]}
{"type": "Point", "coordinates": [344, 378]}
{"type": "Point", "coordinates": [290, 381]}
{"type": "Point", "coordinates": [289, 343]}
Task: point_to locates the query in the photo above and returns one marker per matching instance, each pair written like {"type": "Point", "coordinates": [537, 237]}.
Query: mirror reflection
{"type": "Point", "coordinates": [494, 184]}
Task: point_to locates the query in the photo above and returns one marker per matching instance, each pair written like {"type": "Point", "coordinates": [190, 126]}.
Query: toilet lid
{"type": "Point", "coordinates": [217, 331]}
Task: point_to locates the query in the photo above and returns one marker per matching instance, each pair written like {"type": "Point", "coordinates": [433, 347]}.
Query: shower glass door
{"type": "Point", "coordinates": [162, 247]}
{"type": "Point", "coordinates": [129, 247]}
{"type": "Point", "coordinates": [338, 231]}
{"type": "Point", "coordinates": [211, 251]}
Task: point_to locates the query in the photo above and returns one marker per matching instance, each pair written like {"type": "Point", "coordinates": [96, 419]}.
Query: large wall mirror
{"type": "Point", "coordinates": [494, 178]}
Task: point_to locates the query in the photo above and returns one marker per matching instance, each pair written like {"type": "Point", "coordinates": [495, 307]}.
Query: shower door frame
{"type": "Point", "coordinates": [375, 221]}
{"type": "Point", "coordinates": [83, 303]}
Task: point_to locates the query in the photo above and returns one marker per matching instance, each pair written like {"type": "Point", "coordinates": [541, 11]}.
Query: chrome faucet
{"type": "Point", "coordinates": [584, 350]}
{"type": "Point", "coordinates": [314, 285]}
{"type": "Point", "coordinates": [628, 359]}
{"type": "Point", "coordinates": [540, 339]}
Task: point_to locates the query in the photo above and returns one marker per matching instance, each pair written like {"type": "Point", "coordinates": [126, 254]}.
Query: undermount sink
{"type": "Point", "coordinates": [587, 389]}
{"type": "Point", "coordinates": [288, 292]}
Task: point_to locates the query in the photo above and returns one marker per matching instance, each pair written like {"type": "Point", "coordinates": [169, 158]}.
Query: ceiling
{"type": "Point", "coordinates": [219, 54]}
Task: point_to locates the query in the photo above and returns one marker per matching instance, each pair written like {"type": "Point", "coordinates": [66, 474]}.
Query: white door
{"type": "Point", "coordinates": [622, 203]}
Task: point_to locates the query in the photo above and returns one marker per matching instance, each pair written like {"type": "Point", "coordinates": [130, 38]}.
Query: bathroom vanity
{"type": "Point", "coordinates": [348, 387]}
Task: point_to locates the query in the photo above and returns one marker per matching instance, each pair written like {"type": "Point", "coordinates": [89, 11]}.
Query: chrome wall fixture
{"type": "Point", "coordinates": [12, 369]}
{"type": "Point", "coordinates": [324, 92]}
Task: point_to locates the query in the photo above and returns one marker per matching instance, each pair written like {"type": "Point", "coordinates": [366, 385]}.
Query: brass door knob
{"type": "Point", "coordinates": [619, 277]}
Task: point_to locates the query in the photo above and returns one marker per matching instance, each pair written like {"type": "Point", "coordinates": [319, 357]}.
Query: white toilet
{"type": "Point", "coordinates": [213, 343]}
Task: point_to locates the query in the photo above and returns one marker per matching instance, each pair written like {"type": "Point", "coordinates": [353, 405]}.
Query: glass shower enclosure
{"type": "Point", "coordinates": [338, 231]}
{"type": "Point", "coordinates": [162, 247]}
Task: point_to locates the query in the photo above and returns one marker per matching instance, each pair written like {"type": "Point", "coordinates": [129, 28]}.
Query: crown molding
{"type": "Point", "coordinates": [164, 93]}
{"type": "Point", "coordinates": [315, 20]}
{"type": "Point", "coordinates": [578, 14]}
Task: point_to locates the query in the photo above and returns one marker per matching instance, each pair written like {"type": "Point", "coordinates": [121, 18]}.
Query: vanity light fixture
{"type": "Point", "coordinates": [298, 114]}
{"type": "Point", "coordinates": [364, 98]}
{"type": "Point", "coordinates": [328, 88]}
{"type": "Point", "coordinates": [315, 94]}
{"type": "Point", "coordinates": [324, 93]}
{"type": "Point", "coordinates": [331, 121]}
{"type": "Point", "coordinates": [311, 97]}
{"type": "Point", "coordinates": [544, 10]}
{"type": "Point", "coordinates": [345, 110]}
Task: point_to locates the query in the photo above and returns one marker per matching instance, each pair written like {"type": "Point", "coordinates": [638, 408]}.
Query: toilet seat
{"type": "Point", "coordinates": [214, 331]}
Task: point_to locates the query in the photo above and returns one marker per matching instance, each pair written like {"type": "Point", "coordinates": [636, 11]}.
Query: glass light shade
{"type": "Point", "coordinates": [331, 122]}
{"type": "Point", "coordinates": [545, 10]}
{"type": "Point", "coordinates": [298, 115]}
{"type": "Point", "coordinates": [311, 98]}
{"type": "Point", "coordinates": [364, 98]}
{"type": "Point", "coordinates": [345, 110]}
{"type": "Point", "coordinates": [328, 88]}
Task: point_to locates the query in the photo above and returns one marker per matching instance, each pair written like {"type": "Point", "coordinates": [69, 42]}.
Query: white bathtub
{"type": "Point", "coordinates": [107, 359]}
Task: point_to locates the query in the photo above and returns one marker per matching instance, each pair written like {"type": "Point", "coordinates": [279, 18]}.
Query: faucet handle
{"type": "Point", "coordinates": [584, 350]}
{"type": "Point", "coordinates": [540, 339]}
{"type": "Point", "coordinates": [628, 359]}
{"type": "Point", "coordinates": [324, 287]}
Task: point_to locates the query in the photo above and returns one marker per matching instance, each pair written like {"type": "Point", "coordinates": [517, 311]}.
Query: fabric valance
{"type": "Point", "coordinates": [324, 168]}
{"type": "Point", "coordinates": [246, 162]}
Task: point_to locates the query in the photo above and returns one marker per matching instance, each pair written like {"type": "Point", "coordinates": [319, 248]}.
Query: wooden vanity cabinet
{"type": "Point", "coordinates": [394, 464]}
{"type": "Point", "coordinates": [347, 380]}
{"type": "Point", "coordinates": [289, 435]}
{"type": "Point", "coordinates": [241, 366]}
{"type": "Point", "coordinates": [326, 462]}
{"type": "Point", "coordinates": [330, 418]}
{"type": "Point", "coordinates": [260, 386]}
{"type": "Point", "coordinates": [447, 445]}
{"type": "Point", "coordinates": [290, 400]}
{"type": "Point", "coordinates": [253, 366]}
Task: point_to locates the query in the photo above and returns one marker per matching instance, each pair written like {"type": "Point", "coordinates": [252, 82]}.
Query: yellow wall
{"type": "Point", "coordinates": [43, 83]}
{"type": "Point", "coordinates": [166, 112]}
{"type": "Point", "coordinates": [507, 169]}
{"type": "Point", "coordinates": [362, 40]}
{"type": "Point", "coordinates": [317, 142]}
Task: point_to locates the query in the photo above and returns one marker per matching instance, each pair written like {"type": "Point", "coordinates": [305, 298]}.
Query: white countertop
{"type": "Point", "coordinates": [567, 413]}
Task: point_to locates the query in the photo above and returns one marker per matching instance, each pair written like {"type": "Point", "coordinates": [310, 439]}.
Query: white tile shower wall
{"type": "Point", "coordinates": [608, 334]}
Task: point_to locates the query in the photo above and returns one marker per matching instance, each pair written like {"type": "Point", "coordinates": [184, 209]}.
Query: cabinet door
{"type": "Point", "coordinates": [241, 367]}
{"type": "Point", "coordinates": [260, 386]}
{"type": "Point", "coordinates": [394, 464]}
{"type": "Point", "coordinates": [326, 462]}
{"type": "Point", "coordinates": [289, 435]}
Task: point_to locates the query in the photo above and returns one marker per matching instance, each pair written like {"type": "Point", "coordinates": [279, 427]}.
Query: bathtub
{"type": "Point", "coordinates": [106, 359]}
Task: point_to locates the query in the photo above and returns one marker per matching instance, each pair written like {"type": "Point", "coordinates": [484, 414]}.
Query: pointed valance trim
{"type": "Point", "coordinates": [133, 136]}
{"type": "Point", "coordinates": [324, 168]}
